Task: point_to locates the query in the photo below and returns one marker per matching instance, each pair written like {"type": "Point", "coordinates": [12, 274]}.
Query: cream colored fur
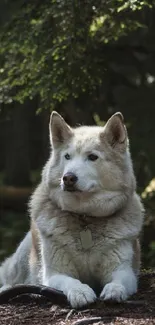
{"type": "Point", "coordinates": [104, 202]}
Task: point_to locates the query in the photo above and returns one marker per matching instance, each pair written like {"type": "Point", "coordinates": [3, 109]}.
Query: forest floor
{"type": "Point", "coordinates": [34, 310]}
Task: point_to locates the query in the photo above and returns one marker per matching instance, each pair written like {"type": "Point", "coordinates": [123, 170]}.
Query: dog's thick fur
{"type": "Point", "coordinates": [85, 237]}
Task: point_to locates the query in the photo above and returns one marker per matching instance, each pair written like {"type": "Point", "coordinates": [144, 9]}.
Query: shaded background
{"type": "Point", "coordinates": [87, 60]}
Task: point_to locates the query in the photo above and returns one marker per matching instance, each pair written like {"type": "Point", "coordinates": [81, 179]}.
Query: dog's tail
{"type": "Point", "coordinates": [15, 269]}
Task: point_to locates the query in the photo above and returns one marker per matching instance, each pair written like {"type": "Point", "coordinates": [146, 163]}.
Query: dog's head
{"type": "Point", "coordinates": [89, 164]}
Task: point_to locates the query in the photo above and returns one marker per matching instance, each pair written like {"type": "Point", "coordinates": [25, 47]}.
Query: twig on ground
{"type": "Point", "coordinates": [124, 303]}
{"type": "Point", "coordinates": [86, 321]}
{"type": "Point", "coordinates": [71, 312]}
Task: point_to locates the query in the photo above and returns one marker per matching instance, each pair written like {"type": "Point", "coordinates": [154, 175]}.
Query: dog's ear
{"type": "Point", "coordinates": [60, 131]}
{"type": "Point", "coordinates": [115, 131]}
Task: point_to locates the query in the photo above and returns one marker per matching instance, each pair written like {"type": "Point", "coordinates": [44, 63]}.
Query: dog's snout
{"type": "Point", "coordinates": [69, 179]}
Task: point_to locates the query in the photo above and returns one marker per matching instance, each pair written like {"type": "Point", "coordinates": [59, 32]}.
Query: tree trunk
{"type": "Point", "coordinates": [17, 146]}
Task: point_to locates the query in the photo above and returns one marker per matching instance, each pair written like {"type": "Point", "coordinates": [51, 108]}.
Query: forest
{"type": "Point", "coordinates": [86, 60]}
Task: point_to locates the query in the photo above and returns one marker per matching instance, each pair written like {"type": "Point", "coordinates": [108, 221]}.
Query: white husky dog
{"type": "Point", "coordinates": [85, 217]}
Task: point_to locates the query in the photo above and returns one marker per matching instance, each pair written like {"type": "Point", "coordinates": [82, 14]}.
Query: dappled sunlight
{"type": "Point", "coordinates": [149, 190]}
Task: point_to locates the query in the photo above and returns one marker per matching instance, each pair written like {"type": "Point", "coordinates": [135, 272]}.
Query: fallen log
{"type": "Point", "coordinates": [14, 197]}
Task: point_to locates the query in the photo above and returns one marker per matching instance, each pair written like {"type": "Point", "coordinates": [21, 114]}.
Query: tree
{"type": "Point", "coordinates": [60, 49]}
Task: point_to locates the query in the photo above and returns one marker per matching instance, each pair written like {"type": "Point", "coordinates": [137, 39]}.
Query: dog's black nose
{"type": "Point", "coordinates": [70, 179]}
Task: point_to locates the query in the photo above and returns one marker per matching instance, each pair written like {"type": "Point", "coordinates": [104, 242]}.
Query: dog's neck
{"type": "Point", "coordinates": [85, 219]}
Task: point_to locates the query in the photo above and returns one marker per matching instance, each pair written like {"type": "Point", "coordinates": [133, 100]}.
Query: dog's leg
{"type": "Point", "coordinates": [59, 272]}
{"type": "Point", "coordinates": [78, 294]}
{"type": "Point", "coordinates": [123, 284]}
{"type": "Point", "coordinates": [15, 269]}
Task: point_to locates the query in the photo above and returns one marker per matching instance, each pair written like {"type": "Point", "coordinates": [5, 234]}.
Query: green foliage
{"type": "Point", "coordinates": [148, 197]}
{"type": "Point", "coordinates": [53, 48]}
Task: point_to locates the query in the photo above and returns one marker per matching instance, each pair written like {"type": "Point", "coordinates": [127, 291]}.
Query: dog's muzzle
{"type": "Point", "coordinates": [69, 182]}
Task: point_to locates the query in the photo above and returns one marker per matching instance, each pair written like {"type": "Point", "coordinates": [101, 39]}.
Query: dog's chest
{"type": "Point", "coordinates": [85, 248]}
{"type": "Point", "coordinates": [81, 234]}
{"type": "Point", "coordinates": [87, 244]}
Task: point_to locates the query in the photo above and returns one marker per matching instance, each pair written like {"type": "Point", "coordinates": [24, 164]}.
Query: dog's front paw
{"type": "Point", "coordinates": [114, 291]}
{"type": "Point", "coordinates": [81, 295]}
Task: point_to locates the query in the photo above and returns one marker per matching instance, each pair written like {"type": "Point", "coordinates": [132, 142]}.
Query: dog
{"type": "Point", "coordinates": [85, 215]}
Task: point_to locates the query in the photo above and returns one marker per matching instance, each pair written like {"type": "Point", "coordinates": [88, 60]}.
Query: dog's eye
{"type": "Point", "coordinates": [67, 156]}
{"type": "Point", "coordinates": [92, 157]}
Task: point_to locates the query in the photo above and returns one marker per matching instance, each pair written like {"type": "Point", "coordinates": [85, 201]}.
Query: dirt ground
{"type": "Point", "coordinates": [36, 310]}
